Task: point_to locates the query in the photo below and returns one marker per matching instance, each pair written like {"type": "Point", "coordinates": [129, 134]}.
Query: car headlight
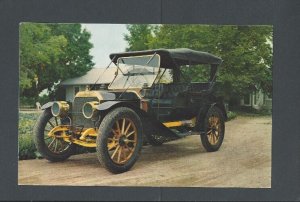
{"type": "Point", "coordinates": [89, 109]}
{"type": "Point", "coordinates": [60, 108]}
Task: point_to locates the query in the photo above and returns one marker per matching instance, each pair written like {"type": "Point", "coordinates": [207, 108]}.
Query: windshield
{"type": "Point", "coordinates": [136, 72]}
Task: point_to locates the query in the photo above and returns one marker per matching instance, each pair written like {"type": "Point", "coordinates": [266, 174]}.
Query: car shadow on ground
{"type": "Point", "coordinates": [170, 150]}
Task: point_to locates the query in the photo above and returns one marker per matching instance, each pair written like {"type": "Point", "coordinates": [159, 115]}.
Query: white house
{"type": "Point", "coordinates": [257, 100]}
{"type": "Point", "coordinates": [74, 85]}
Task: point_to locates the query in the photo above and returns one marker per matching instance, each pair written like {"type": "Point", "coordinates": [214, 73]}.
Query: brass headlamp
{"type": "Point", "coordinates": [60, 108]}
{"type": "Point", "coordinates": [89, 109]}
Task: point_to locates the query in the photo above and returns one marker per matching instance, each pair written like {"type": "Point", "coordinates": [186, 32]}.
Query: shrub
{"type": "Point", "coordinates": [231, 115]}
{"type": "Point", "coordinates": [27, 101]}
{"type": "Point", "coordinates": [27, 148]}
{"type": "Point", "coordinates": [43, 99]}
{"type": "Point", "coordinates": [26, 122]}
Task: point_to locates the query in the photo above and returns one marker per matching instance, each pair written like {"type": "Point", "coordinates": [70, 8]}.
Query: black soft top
{"type": "Point", "coordinates": [172, 57]}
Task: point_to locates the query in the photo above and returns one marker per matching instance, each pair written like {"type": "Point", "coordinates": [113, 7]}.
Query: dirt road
{"type": "Point", "coordinates": [244, 160]}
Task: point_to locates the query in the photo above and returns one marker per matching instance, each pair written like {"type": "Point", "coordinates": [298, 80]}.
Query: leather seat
{"type": "Point", "coordinates": [156, 91]}
{"type": "Point", "coordinates": [164, 91]}
{"type": "Point", "coordinates": [172, 90]}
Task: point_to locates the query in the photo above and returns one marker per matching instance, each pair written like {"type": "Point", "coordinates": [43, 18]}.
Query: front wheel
{"type": "Point", "coordinates": [119, 140]}
{"type": "Point", "coordinates": [214, 130]}
{"type": "Point", "coordinates": [51, 147]}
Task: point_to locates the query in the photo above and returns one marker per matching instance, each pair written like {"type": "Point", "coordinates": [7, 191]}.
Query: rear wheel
{"type": "Point", "coordinates": [119, 140]}
{"type": "Point", "coordinates": [214, 128]}
{"type": "Point", "coordinates": [50, 146]}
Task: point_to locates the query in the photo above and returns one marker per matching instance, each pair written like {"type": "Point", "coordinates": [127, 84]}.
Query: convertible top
{"type": "Point", "coordinates": [170, 58]}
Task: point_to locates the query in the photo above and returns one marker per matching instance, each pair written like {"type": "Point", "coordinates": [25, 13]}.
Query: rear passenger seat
{"type": "Point", "coordinates": [164, 91]}
{"type": "Point", "coordinates": [155, 92]}
{"type": "Point", "coordinates": [172, 90]}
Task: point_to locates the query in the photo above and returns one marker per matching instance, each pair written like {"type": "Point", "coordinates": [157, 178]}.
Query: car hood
{"type": "Point", "coordinates": [101, 95]}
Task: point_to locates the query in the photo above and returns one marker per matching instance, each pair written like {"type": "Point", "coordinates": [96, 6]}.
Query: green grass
{"type": "Point", "coordinates": [254, 113]}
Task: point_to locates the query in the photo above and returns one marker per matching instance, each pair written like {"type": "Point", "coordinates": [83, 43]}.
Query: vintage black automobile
{"type": "Point", "coordinates": [147, 101]}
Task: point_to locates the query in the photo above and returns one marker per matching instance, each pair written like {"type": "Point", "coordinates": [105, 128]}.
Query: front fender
{"type": "Point", "coordinates": [107, 105]}
{"type": "Point", "coordinates": [47, 105]}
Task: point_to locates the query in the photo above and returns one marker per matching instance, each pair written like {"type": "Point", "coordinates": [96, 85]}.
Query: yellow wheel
{"type": "Point", "coordinates": [119, 140]}
{"type": "Point", "coordinates": [214, 130]}
{"type": "Point", "coordinates": [122, 141]}
{"type": "Point", "coordinates": [214, 127]}
{"type": "Point", "coordinates": [50, 145]}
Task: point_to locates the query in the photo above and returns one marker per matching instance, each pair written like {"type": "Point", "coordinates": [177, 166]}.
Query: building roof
{"type": "Point", "coordinates": [91, 77]}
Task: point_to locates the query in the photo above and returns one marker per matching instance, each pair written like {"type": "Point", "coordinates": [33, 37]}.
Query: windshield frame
{"type": "Point", "coordinates": [119, 71]}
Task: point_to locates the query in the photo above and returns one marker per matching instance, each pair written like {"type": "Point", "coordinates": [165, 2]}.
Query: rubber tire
{"type": "Point", "coordinates": [40, 143]}
{"type": "Point", "coordinates": [204, 139]}
{"type": "Point", "coordinates": [103, 133]}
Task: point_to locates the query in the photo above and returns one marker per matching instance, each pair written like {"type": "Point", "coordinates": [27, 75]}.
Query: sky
{"type": "Point", "coordinates": [106, 38]}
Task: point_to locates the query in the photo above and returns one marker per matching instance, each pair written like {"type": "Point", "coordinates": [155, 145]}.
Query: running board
{"type": "Point", "coordinates": [189, 123]}
{"type": "Point", "coordinates": [183, 134]}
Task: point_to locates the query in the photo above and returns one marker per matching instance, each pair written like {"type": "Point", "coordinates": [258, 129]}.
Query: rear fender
{"type": "Point", "coordinates": [202, 113]}
{"type": "Point", "coordinates": [221, 106]}
{"type": "Point", "coordinates": [201, 117]}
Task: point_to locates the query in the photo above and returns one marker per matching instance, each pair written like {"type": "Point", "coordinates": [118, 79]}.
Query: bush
{"type": "Point", "coordinates": [44, 99]}
{"type": "Point", "coordinates": [27, 148]}
{"type": "Point", "coordinates": [26, 122]}
{"type": "Point", "coordinates": [231, 115]}
{"type": "Point", "coordinates": [249, 111]}
{"type": "Point", "coordinates": [27, 101]}
{"type": "Point", "coordinates": [30, 101]}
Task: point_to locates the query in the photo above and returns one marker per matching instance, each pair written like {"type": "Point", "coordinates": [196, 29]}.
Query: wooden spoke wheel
{"type": "Point", "coordinates": [49, 143]}
{"type": "Point", "coordinates": [119, 140]}
{"type": "Point", "coordinates": [53, 141]}
{"type": "Point", "coordinates": [122, 141]}
{"type": "Point", "coordinates": [214, 129]}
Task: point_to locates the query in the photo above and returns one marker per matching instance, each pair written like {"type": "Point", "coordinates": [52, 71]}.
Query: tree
{"type": "Point", "coordinates": [138, 37]}
{"type": "Point", "coordinates": [38, 49]}
{"type": "Point", "coordinates": [50, 53]}
{"type": "Point", "coordinates": [246, 52]}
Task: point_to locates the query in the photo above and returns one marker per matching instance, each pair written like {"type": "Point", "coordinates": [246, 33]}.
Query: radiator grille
{"type": "Point", "coordinates": [77, 116]}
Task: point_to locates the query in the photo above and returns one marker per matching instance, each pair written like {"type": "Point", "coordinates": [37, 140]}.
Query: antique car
{"type": "Point", "coordinates": [148, 100]}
